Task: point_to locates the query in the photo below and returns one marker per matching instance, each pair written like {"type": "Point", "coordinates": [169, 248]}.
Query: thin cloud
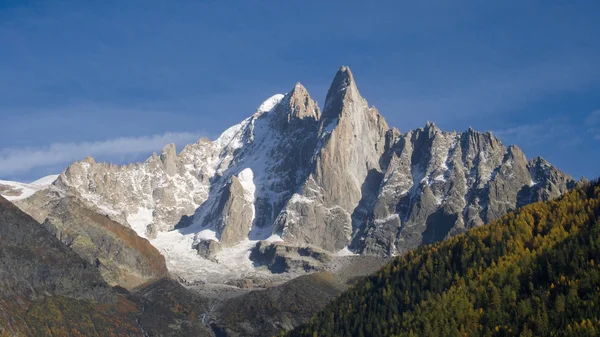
{"type": "Point", "coordinates": [489, 91]}
{"type": "Point", "coordinates": [593, 119]}
{"type": "Point", "coordinates": [21, 160]}
{"type": "Point", "coordinates": [543, 132]}
{"type": "Point", "coordinates": [592, 122]}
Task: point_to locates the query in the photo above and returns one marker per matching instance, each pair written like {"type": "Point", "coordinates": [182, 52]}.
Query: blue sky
{"type": "Point", "coordinates": [118, 79]}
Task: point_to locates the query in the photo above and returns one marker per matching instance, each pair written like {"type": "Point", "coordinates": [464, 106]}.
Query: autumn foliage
{"type": "Point", "coordinates": [534, 272]}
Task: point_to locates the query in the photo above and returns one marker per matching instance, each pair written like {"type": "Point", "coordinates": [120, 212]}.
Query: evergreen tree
{"type": "Point", "coordinates": [531, 273]}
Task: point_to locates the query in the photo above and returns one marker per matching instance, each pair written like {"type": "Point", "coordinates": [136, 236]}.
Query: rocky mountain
{"type": "Point", "coordinates": [437, 184]}
{"type": "Point", "coordinates": [123, 258]}
{"type": "Point", "coordinates": [47, 289]}
{"type": "Point", "coordinates": [34, 261]}
{"type": "Point", "coordinates": [340, 180]}
{"type": "Point", "coordinates": [530, 273]}
{"type": "Point", "coordinates": [44, 286]}
{"type": "Point", "coordinates": [288, 190]}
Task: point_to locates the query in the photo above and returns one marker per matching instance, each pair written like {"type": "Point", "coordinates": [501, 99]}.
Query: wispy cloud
{"type": "Point", "coordinates": [546, 131]}
{"type": "Point", "coordinates": [592, 124]}
{"type": "Point", "coordinates": [21, 160]}
{"type": "Point", "coordinates": [483, 91]}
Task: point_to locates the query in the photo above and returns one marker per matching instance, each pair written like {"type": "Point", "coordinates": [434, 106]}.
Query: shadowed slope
{"type": "Point", "coordinates": [46, 289]}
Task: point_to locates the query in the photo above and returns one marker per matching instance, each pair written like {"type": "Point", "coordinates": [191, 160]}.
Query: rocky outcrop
{"type": "Point", "coordinates": [546, 180]}
{"type": "Point", "coordinates": [10, 190]}
{"type": "Point", "coordinates": [170, 309]}
{"type": "Point", "coordinates": [208, 249]}
{"type": "Point", "coordinates": [148, 197]}
{"type": "Point", "coordinates": [233, 215]}
{"type": "Point", "coordinates": [48, 289]}
{"type": "Point", "coordinates": [44, 285]}
{"type": "Point", "coordinates": [122, 257]}
{"type": "Point", "coordinates": [35, 262]}
{"type": "Point", "coordinates": [237, 212]}
{"type": "Point", "coordinates": [279, 140]}
{"type": "Point", "coordinates": [439, 184]}
{"type": "Point", "coordinates": [282, 257]}
{"type": "Point", "coordinates": [352, 140]}
{"type": "Point", "coordinates": [269, 311]}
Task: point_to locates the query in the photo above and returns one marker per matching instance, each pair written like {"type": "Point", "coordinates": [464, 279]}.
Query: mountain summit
{"type": "Point", "coordinates": [339, 180]}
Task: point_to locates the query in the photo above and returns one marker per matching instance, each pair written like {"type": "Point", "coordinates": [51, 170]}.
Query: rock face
{"type": "Point", "coordinates": [169, 309]}
{"type": "Point", "coordinates": [43, 285]}
{"type": "Point", "coordinates": [46, 289]}
{"type": "Point", "coordinates": [267, 312]}
{"type": "Point", "coordinates": [34, 262]}
{"type": "Point", "coordinates": [280, 257]}
{"type": "Point", "coordinates": [123, 258]}
{"type": "Point", "coordinates": [352, 139]}
{"type": "Point", "coordinates": [442, 183]}
{"type": "Point", "coordinates": [337, 179]}
{"type": "Point", "coordinates": [237, 212]}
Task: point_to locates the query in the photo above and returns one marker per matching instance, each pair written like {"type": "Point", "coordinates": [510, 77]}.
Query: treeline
{"type": "Point", "coordinates": [534, 272]}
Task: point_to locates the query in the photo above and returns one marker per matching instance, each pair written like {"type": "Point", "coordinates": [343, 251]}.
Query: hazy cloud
{"type": "Point", "coordinates": [546, 131]}
{"type": "Point", "coordinates": [593, 118]}
{"type": "Point", "coordinates": [489, 91]}
{"type": "Point", "coordinates": [20, 160]}
{"type": "Point", "coordinates": [592, 123]}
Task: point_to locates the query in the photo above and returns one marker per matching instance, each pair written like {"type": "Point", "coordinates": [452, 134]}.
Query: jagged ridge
{"type": "Point", "coordinates": [336, 179]}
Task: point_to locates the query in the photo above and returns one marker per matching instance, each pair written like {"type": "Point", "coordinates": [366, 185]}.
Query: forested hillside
{"type": "Point", "coordinates": [534, 272]}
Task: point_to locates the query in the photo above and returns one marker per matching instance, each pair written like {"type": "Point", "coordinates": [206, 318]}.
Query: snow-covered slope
{"type": "Point", "coordinates": [12, 190]}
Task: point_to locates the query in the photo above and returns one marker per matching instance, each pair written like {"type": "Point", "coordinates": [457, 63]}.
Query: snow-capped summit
{"type": "Point", "coordinates": [12, 190]}
{"type": "Point", "coordinates": [271, 102]}
{"type": "Point", "coordinates": [340, 180]}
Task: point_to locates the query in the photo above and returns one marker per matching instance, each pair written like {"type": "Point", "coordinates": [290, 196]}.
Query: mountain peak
{"type": "Point", "coordinates": [297, 104]}
{"type": "Point", "coordinates": [168, 157]}
{"type": "Point", "coordinates": [90, 160]}
{"type": "Point", "coordinates": [342, 87]}
{"type": "Point", "coordinates": [299, 86]}
{"type": "Point", "coordinates": [299, 91]}
{"type": "Point", "coordinates": [324, 181]}
{"type": "Point", "coordinates": [342, 80]}
{"type": "Point", "coordinates": [345, 70]}
{"type": "Point", "coordinates": [169, 148]}
{"type": "Point", "coordinates": [539, 162]}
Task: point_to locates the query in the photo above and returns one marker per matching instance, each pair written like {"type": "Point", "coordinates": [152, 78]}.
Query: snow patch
{"type": "Point", "coordinates": [274, 238]}
{"type": "Point", "coordinates": [232, 136]}
{"type": "Point", "coordinates": [140, 220]}
{"type": "Point", "coordinates": [330, 126]}
{"type": "Point", "coordinates": [206, 234]}
{"type": "Point", "coordinates": [27, 190]}
{"type": "Point", "coordinates": [184, 261]}
{"type": "Point", "coordinates": [297, 198]}
{"type": "Point", "coordinates": [46, 181]}
{"type": "Point", "coordinates": [270, 103]}
{"type": "Point", "coordinates": [238, 256]}
{"type": "Point", "coordinates": [246, 177]}
{"type": "Point", "coordinates": [388, 218]}
{"type": "Point", "coordinates": [345, 252]}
